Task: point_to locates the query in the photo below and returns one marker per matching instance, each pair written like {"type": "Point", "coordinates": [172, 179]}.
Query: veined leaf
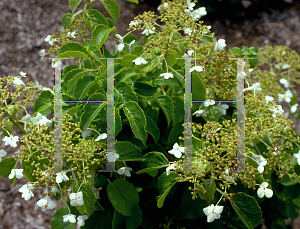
{"type": "Point", "coordinates": [166, 104]}
{"type": "Point", "coordinates": [112, 8]}
{"type": "Point", "coordinates": [165, 184]}
{"type": "Point", "coordinates": [99, 34]}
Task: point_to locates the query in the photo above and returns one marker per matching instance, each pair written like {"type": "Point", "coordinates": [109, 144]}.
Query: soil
{"type": "Point", "coordinates": [24, 26]}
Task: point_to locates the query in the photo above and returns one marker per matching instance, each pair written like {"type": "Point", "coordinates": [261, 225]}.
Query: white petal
{"type": "Point", "coordinates": [260, 169]}
{"type": "Point", "coordinates": [260, 192]}
{"type": "Point", "coordinates": [218, 209]}
{"type": "Point", "coordinates": [268, 193]}
{"type": "Point", "coordinates": [177, 153]}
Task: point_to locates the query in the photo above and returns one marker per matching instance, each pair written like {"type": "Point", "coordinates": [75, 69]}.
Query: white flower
{"type": "Point", "coordinates": [190, 6]}
{"type": "Point", "coordinates": [80, 219]}
{"type": "Point", "coordinates": [61, 176]}
{"type": "Point", "coordinates": [3, 153]}
{"type": "Point", "coordinates": [16, 172]}
{"type": "Point", "coordinates": [255, 87]}
{"type": "Point", "coordinates": [162, 5]}
{"type": "Point", "coordinates": [220, 45]}
{"type": "Point", "coordinates": [26, 118]}
{"type": "Point", "coordinates": [76, 199]}
{"type": "Point", "coordinates": [11, 140]}
{"type": "Point", "coordinates": [46, 203]}
{"type": "Point", "coordinates": [39, 120]}
{"type": "Point", "coordinates": [43, 88]}
{"type": "Point", "coordinates": [101, 136]}
{"type": "Point", "coordinates": [42, 53]}
{"type": "Point", "coordinates": [297, 156]}
{"type": "Point", "coordinates": [261, 168]}
{"type": "Point", "coordinates": [72, 34]}
{"type": "Point", "coordinates": [125, 170]}
{"type": "Point", "coordinates": [50, 40]}
{"type": "Point", "coordinates": [177, 150]}
{"type": "Point", "coordinates": [171, 167]}
{"type": "Point", "coordinates": [18, 81]}
{"type": "Point", "coordinates": [139, 61]}
{"type": "Point", "coordinates": [269, 98]}
{"type": "Point", "coordinates": [251, 69]}
{"type": "Point", "coordinates": [294, 108]}
{"type": "Point", "coordinates": [284, 82]}
{"type": "Point", "coordinates": [149, 31]}
{"type": "Point", "coordinates": [197, 68]}
{"type": "Point", "coordinates": [286, 96]}
{"type": "Point", "coordinates": [188, 31]}
{"type": "Point", "coordinates": [282, 66]}
{"type": "Point", "coordinates": [274, 152]}
{"type": "Point", "coordinates": [131, 43]}
{"type": "Point", "coordinates": [208, 27]}
{"type": "Point", "coordinates": [189, 53]}
{"type": "Point", "coordinates": [54, 189]}
{"type": "Point", "coordinates": [208, 103]}
{"type": "Point", "coordinates": [133, 23]}
{"type": "Point", "coordinates": [26, 191]}
{"type": "Point", "coordinates": [45, 121]}
{"type": "Point", "coordinates": [198, 13]}
{"type": "Point", "coordinates": [231, 179]}
{"type": "Point", "coordinates": [120, 46]}
{"type": "Point", "coordinates": [71, 218]}
{"type": "Point", "coordinates": [22, 74]}
{"type": "Point", "coordinates": [222, 108]}
{"type": "Point", "coordinates": [276, 110]}
{"type": "Point", "coordinates": [213, 212]}
{"type": "Point", "coordinates": [198, 113]}
{"type": "Point", "coordinates": [57, 64]}
{"type": "Point", "coordinates": [167, 75]}
{"type": "Point", "coordinates": [112, 158]}
{"type": "Point", "coordinates": [264, 191]}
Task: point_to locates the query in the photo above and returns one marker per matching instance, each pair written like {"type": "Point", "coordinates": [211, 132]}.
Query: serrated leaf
{"type": "Point", "coordinates": [72, 46]}
{"type": "Point", "coordinates": [73, 4]}
{"type": "Point", "coordinates": [125, 92]}
{"type": "Point", "coordinates": [6, 165]}
{"type": "Point", "coordinates": [44, 101]}
{"type": "Point", "coordinates": [90, 111]}
{"type": "Point", "coordinates": [94, 18]}
{"type": "Point", "coordinates": [152, 129]}
{"type": "Point", "coordinates": [83, 86]}
{"type": "Point", "coordinates": [67, 20]}
{"type": "Point", "coordinates": [127, 151]}
{"type": "Point", "coordinates": [100, 34]}
{"type": "Point", "coordinates": [153, 161]}
{"type": "Point", "coordinates": [166, 104]}
{"type": "Point", "coordinates": [112, 8]}
{"type": "Point", "coordinates": [74, 54]}
{"type": "Point", "coordinates": [144, 89]}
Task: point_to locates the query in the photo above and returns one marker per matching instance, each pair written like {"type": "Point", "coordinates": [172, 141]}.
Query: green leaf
{"type": "Point", "coordinates": [198, 87]}
{"type": "Point", "coordinates": [72, 78]}
{"type": "Point", "coordinates": [83, 86]}
{"type": "Point", "coordinates": [73, 110]}
{"type": "Point", "coordinates": [123, 196]}
{"type": "Point", "coordinates": [253, 50]}
{"type": "Point", "coordinates": [175, 133]}
{"type": "Point", "coordinates": [152, 129]}
{"type": "Point", "coordinates": [127, 60]}
{"type": "Point", "coordinates": [179, 108]}
{"type": "Point", "coordinates": [236, 51]}
{"type": "Point", "coordinates": [6, 165]}
{"type": "Point", "coordinates": [101, 219]}
{"type": "Point", "coordinates": [144, 89]}
{"type": "Point", "coordinates": [72, 46]}
{"type": "Point", "coordinates": [133, 1]}
{"type": "Point", "coordinates": [13, 109]}
{"type": "Point", "coordinates": [90, 111]}
{"type": "Point", "coordinates": [100, 34]}
{"type": "Point", "coordinates": [137, 120]}
{"type": "Point", "coordinates": [94, 18]}
{"type": "Point", "coordinates": [72, 54]}
{"type": "Point", "coordinates": [247, 209]}
{"type": "Point", "coordinates": [127, 151]}
{"type": "Point", "coordinates": [9, 127]}
{"type": "Point", "coordinates": [165, 184]}
{"type": "Point", "coordinates": [57, 219]}
{"type": "Point", "coordinates": [118, 122]}
{"type": "Point", "coordinates": [131, 222]}
{"type": "Point", "coordinates": [171, 58]}
{"type": "Point", "coordinates": [125, 92]}
{"type": "Point", "coordinates": [73, 4]}
{"type": "Point", "coordinates": [128, 76]}
{"type": "Point", "coordinates": [109, 22]}
{"type": "Point", "coordinates": [210, 189]}
{"type": "Point", "coordinates": [245, 51]}
{"type": "Point", "coordinates": [112, 8]}
{"type": "Point", "coordinates": [166, 104]}
{"type": "Point", "coordinates": [153, 161]}
{"type": "Point", "coordinates": [137, 50]}
{"type": "Point", "coordinates": [89, 199]}
{"type": "Point", "coordinates": [67, 20]}
{"type": "Point", "coordinates": [44, 101]}
{"type": "Point", "coordinates": [253, 62]}
{"type": "Point", "coordinates": [99, 181]}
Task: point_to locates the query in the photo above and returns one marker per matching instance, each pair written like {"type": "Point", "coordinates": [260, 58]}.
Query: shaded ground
{"type": "Point", "coordinates": [25, 24]}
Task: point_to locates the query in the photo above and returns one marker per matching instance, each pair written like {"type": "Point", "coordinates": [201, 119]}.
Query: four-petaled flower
{"type": "Point", "coordinates": [149, 31]}
{"type": "Point", "coordinates": [76, 199]}
{"type": "Point", "coordinates": [198, 13]}
{"type": "Point", "coordinates": [120, 46]}
{"type": "Point", "coordinates": [3, 153]}
{"type": "Point", "coordinates": [71, 218]}
{"type": "Point", "coordinates": [284, 82]}
{"type": "Point", "coordinates": [50, 40]}
{"type": "Point", "coordinates": [209, 103]}
{"type": "Point", "coordinates": [139, 61]}
{"type": "Point", "coordinates": [11, 140]}
{"type": "Point", "coordinates": [213, 212]}
{"type": "Point", "coordinates": [269, 98]}
{"type": "Point", "coordinates": [197, 68]}
{"type": "Point", "coordinates": [264, 191]}
{"type": "Point", "coordinates": [26, 191]}
{"type": "Point", "coordinates": [177, 150]}
{"type": "Point", "coordinates": [46, 203]}
{"type": "Point", "coordinates": [222, 108]}
{"type": "Point", "coordinates": [22, 74]}
{"type": "Point", "coordinates": [220, 44]}
{"type": "Point", "coordinates": [297, 156]}
{"type": "Point", "coordinates": [125, 170]}
{"type": "Point", "coordinates": [113, 157]}
{"type": "Point", "coordinates": [261, 165]}
{"type": "Point", "coordinates": [26, 118]}
{"type": "Point", "coordinates": [101, 136]}
{"type": "Point", "coordinates": [18, 81]}
{"type": "Point", "coordinates": [72, 34]}
{"type": "Point", "coordinates": [276, 110]}
{"type": "Point", "coordinates": [286, 96]}
{"type": "Point", "coordinates": [200, 112]}
{"type": "Point", "coordinates": [133, 23]}
{"type": "Point", "coordinates": [80, 220]}
{"type": "Point", "coordinates": [61, 176]}
{"type": "Point", "coordinates": [16, 172]}
{"type": "Point", "coordinates": [190, 6]}
{"type": "Point", "coordinates": [189, 53]}
{"type": "Point", "coordinates": [255, 87]}
{"type": "Point", "coordinates": [167, 75]}
{"type": "Point", "coordinates": [171, 167]}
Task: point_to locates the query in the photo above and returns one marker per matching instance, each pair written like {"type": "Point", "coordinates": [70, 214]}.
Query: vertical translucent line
{"type": "Point", "coordinates": [58, 162]}
{"type": "Point", "coordinates": [188, 144]}
{"type": "Point", "coordinates": [240, 116]}
{"type": "Point", "coordinates": [110, 144]}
